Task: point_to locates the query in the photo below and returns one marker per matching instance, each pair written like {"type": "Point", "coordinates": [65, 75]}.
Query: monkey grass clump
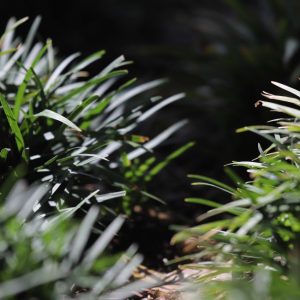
{"type": "Point", "coordinates": [71, 160]}
{"type": "Point", "coordinates": [255, 236]}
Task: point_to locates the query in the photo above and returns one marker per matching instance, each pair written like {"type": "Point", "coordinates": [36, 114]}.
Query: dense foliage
{"type": "Point", "coordinates": [76, 161]}
{"type": "Point", "coordinates": [70, 142]}
{"type": "Point", "coordinates": [51, 258]}
{"type": "Point", "coordinates": [254, 237]}
{"type": "Point", "coordinates": [221, 53]}
{"type": "Point", "coordinates": [49, 99]}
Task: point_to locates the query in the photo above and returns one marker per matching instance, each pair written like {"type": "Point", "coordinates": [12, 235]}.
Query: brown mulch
{"type": "Point", "coordinates": [169, 286]}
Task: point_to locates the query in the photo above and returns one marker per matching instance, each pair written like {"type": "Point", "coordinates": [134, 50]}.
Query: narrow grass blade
{"type": "Point", "coordinates": [134, 92]}
{"type": "Point", "coordinates": [157, 140]}
{"type": "Point", "coordinates": [32, 200]}
{"type": "Point", "coordinates": [103, 241]}
{"type": "Point", "coordinates": [55, 116]}
{"type": "Point", "coordinates": [154, 171]}
{"type": "Point", "coordinates": [7, 36]}
{"type": "Point", "coordinates": [60, 69]}
{"type": "Point", "coordinates": [89, 60]}
{"type": "Point", "coordinates": [9, 51]}
{"type": "Point", "coordinates": [250, 224]}
{"type": "Point", "coordinates": [31, 35]}
{"type": "Point", "coordinates": [282, 98]}
{"type": "Point", "coordinates": [14, 127]}
{"type": "Point", "coordinates": [235, 207]}
{"type": "Point", "coordinates": [11, 62]}
{"type": "Point", "coordinates": [28, 62]}
{"type": "Point", "coordinates": [14, 25]}
{"type": "Point", "coordinates": [248, 164]}
{"type": "Point", "coordinates": [68, 212]}
{"type": "Point", "coordinates": [282, 108]}
{"type": "Point", "coordinates": [202, 201]}
{"type": "Point", "coordinates": [75, 113]}
{"type": "Point", "coordinates": [6, 40]}
{"type": "Point", "coordinates": [159, 106]}
{"type": "Point", "coordinates": [199, 230]}
{"type": "Point", "coordinates": [30, 280]}
{"type": "Point", "coordinates": [214, 182]}
{"type": "Point", "coordinates": [94, 82]}
{"type": "Point", "coordinates": [22, 88]}
{"type": "Point", "coordinates": [287, 88]}
{"type": "Point", "coordinates": [83, 234]}
{"type": "Point", "coordinates": [119, 61]}
{"type": "Point", "coordinates": [108, 196]}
